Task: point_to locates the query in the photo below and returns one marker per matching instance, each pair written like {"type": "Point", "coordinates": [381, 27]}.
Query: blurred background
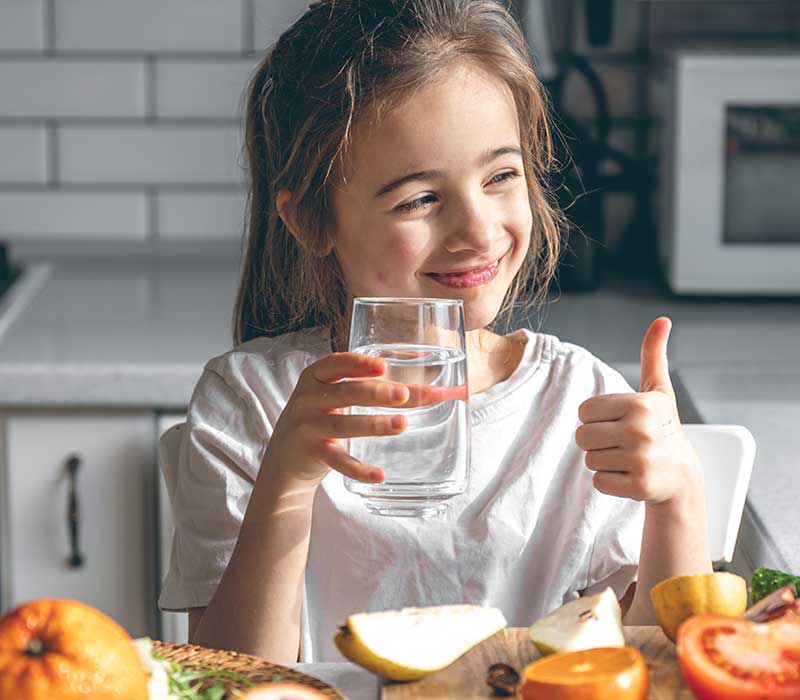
{"type": "Point", "coordinates": [122, 212]}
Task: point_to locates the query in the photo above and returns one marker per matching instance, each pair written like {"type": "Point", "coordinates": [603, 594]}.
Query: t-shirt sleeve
{"type": "Point", "coordinates": [209, 483]}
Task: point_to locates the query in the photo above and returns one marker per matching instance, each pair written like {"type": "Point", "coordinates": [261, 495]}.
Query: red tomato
{"type": "Point", "coordinates": [727, 658]}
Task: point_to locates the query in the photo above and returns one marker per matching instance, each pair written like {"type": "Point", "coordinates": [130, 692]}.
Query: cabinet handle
{"type": "Point", "coordinates": [75, 560]}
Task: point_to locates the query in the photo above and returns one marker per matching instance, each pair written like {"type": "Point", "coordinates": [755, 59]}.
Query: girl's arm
{"type": "Point", "coordinates": [674, 542]}
{"type": "Point", "coordinates": [256, 607]}
{"type": "Point", "coordinates": [637, 447]}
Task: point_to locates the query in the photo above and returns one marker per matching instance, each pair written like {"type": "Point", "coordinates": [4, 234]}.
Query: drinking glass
{"type": "Point", "coordinates": [423, 343]}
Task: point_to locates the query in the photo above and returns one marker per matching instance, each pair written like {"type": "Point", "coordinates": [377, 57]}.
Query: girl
{"type": "Point", "coordinates": [400, 148]}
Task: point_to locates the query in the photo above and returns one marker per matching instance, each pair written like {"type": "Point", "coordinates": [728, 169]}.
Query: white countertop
{"type": "Point", "coordinates": [122, 335]}
{"type": "Point", "coordinates": [138, 335]}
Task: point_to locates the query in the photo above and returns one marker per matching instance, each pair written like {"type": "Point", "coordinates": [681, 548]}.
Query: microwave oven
{"type": "Point", "coordinates": [730, 174]}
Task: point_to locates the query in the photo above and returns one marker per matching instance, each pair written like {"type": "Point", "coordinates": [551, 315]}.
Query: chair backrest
{"type": "Point", "coordinates": [726, 453]}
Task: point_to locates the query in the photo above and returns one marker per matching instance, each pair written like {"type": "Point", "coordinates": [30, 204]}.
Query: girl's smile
{"type": "Point", "coordinates": [468, 275]}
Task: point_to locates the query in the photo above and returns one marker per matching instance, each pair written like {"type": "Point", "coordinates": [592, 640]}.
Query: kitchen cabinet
{"type": "Point", "coordinates": [90, 536]}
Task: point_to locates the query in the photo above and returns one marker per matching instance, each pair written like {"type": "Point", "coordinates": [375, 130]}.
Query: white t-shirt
{"type": "Point", "coordinates": [530, 533]}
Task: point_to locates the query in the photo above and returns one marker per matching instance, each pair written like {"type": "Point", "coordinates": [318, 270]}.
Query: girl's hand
{"type": "Point", "coordinates": [305, 444]}
{"type": "Point", "coordinates": [634, 442]}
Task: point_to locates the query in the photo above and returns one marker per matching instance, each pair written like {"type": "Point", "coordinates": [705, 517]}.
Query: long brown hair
{"type": "Point", "coordinates": [341, 59]}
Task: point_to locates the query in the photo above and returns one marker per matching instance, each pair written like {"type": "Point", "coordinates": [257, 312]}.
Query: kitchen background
{"type": "Point", "coordinates": [121, 217]}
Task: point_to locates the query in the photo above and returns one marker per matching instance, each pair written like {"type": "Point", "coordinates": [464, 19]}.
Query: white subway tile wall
{"type": "Point", "coordinates": [79, 215]}
{"type": "Point", "coordinates": [205, 88]}
{"type": "Point", "coordinates": [123, 121]}
{"type": "Point", "coordinates": [193, 215]}
{"type": "Point", "coordinates": [23, 157]}
{"type": "Point", "coordinates": [21, 25]}
{"type": "Point", "coordinates": [55, 88]}
{"type": "Point", "coordinates": [149, 154]}
{"type": "Point", "coordinates": [149, 25]}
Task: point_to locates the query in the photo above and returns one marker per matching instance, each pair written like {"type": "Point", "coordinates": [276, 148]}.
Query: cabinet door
{"type": "Point", "coordinates": [115, 489]}
{"type": "Point", "coordinates": [174, 626]}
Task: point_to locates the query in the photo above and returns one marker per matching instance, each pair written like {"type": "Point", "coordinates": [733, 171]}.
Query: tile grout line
{"type": "Point", "coordinates": [49, 28]}
{"type": "Point", "coordinates": [152, 215]}
{"type": "Point", "coordinates": [51, 154]}
{"type": "Point", "coordinates": [248, 26]}
{"type": "Point", "coordinates": [150, 89]}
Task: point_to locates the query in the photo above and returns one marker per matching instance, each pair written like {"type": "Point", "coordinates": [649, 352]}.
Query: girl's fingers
{"type": "Point", "coordinates": [616, 484]}
{"type": "Point", "coordinates": [599, 436]}
{"type": "Point", "coordinates": [608, 460]}
{"type": "Point", "coordinates": [364, 392]}
{"type": "Point", "coordinates": [607, 407]}
{"type": "Point", "coordinates": [336, 457]}
{"type": "Point", "coordinates": [337, 425]}
{"type": "Point", "coordinates": [344, 365]}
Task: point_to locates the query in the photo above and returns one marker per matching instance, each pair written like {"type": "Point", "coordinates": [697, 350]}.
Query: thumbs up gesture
{"type": "Point", "coordinates": [634, 442]}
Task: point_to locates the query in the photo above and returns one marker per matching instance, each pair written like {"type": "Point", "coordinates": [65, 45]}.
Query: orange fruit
{"type": "Point", "coordinates": [605, 673]}
{"type": "Point", "coordinates": [282, 690]}
{"type": "Point", "coordinates": [65, 650]}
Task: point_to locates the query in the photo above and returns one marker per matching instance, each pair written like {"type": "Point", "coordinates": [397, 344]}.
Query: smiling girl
{"type": "Point", "coordinates": [400, 148]}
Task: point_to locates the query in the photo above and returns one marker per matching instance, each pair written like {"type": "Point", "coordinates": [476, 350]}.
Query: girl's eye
{"type": "Point", "coordinates": [503, 177]}
{"type": "Point", "coordinates": [416, 203]}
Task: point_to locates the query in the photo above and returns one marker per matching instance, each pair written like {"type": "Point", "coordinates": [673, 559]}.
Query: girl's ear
{"type": "Point", "coordinates": [288, 214]}
{"type": "Point", "coordinates": [286, 210]}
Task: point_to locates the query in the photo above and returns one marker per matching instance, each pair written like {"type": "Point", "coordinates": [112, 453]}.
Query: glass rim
{"type": "Point", "coordinates": [411, 301]}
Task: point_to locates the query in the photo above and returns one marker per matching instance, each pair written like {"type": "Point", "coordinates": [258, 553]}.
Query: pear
{"type": "Point", "coordinates": [407, 644]}
{"type": "Point", "coordinates": [584, 623]}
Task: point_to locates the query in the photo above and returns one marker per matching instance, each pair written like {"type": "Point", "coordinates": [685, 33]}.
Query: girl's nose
{"type": "Point", "coordinates": [471, 228]}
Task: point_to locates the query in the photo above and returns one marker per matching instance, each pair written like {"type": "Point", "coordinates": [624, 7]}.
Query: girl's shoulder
{"type": "Point", "coordinates": [571, 364]}
{"type": "Point", "coordinates": [274, 362]}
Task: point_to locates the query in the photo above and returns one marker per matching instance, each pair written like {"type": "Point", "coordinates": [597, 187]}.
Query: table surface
{"type": "Point", "coordinates": [464, 679]}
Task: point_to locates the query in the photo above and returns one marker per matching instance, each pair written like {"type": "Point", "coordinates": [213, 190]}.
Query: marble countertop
{"type": "Point", "coordinates": [138, 334]}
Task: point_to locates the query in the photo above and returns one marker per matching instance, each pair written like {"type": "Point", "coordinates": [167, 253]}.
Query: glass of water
{"type": "Point", "coordinates": [423, 343]}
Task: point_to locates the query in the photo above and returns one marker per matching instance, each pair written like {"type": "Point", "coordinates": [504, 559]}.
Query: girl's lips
{"type": "Point", "coordinates": [471, 278]}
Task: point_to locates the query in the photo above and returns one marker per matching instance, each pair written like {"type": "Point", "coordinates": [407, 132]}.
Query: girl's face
{"type": "Point", "coordinates": [434, 201]}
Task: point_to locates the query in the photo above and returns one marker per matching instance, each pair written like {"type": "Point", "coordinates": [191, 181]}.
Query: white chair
{"type": "Point", "coordinates": [726, 453]}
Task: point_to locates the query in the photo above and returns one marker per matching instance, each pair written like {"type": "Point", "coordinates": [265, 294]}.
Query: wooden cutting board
{"type": "Point", "coordinates": [466, 678]}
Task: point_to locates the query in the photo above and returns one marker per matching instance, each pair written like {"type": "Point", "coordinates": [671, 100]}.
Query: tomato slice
{"type": "Point", "coordinates": [728, 658]}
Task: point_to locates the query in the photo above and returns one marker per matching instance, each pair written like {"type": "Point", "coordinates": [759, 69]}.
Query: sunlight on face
{"type": "Point", "coordinates": [435, 202]}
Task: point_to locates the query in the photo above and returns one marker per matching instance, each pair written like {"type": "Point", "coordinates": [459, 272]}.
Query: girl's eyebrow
{"type": "Point", "coordinates": [484, 159]}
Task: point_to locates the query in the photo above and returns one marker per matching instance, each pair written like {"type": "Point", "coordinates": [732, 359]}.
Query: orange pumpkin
{"type": "Point", "coordinates": [65, 650]}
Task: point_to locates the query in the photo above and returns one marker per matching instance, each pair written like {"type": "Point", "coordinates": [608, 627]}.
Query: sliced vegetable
{"type": "Point", "coordinates": [780, 603]}
{"type": "Point", "coordinates": [728, 658]}
{"type": "Point", "coordinates": [767, 580]}
{"type": "Point", "coordinates": [677, 598]}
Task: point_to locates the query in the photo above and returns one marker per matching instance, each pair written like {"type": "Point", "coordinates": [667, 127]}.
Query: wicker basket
{"type": "Point", "coordinates": [252, 668]}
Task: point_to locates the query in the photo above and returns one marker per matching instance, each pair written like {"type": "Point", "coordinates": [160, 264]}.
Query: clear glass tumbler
{"type": "Point", "coordinates": [423, 343]}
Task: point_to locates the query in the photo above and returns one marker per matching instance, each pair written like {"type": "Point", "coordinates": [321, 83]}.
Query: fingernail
{"type": "Point", "coordinates": [398, 422]}
{"type": "Point", "coordinates": [376, 475]}
{"type": "Point", "coordinates": [398, 393]}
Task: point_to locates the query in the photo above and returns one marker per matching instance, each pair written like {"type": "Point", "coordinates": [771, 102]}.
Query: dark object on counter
{"type": "Point", "coordinates": [503, 680]}
{"type": "Point", "coordinates": [8, 272]}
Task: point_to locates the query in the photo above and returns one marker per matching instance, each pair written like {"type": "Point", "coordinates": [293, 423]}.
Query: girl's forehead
{"type": "Point", "coordinates": [463, 110]}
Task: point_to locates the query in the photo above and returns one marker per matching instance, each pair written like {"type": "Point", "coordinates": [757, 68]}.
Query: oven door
{"type": "Point", "coordinates": [732, 175]}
